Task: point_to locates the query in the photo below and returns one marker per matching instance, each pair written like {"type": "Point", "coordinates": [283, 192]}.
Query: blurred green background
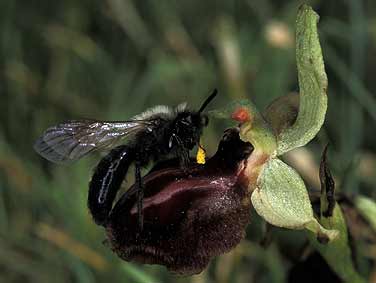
{"type": "Point", "coordinates": [112, 59]}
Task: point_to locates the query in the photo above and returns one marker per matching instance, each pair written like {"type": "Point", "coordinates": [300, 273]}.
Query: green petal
{"type": "Point", "coordinates": [312, 84]}
{"type": "Point", "coordinates": [281, 198]}
{"type": "Point", "coordinates": [338, 249]}
{"type": "Point", "coordinates": [282, 112]}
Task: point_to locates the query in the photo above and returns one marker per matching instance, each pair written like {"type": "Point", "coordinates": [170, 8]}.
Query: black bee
{"type": "Point", "coordinates": [151, 136]}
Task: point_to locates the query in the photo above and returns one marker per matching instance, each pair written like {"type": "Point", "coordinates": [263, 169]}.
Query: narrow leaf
{"type": "Point", "coordinates": [327, 200]}
{"type": "Point", "coordinates": [367, 208]}
{"type": "Point", "coordinates": [337, 253]}
{"type": "Point", "coordinates": [331, 217]}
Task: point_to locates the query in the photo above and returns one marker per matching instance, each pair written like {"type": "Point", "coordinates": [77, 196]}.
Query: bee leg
{"type": "Point", "coordinates": [106, 181]}
{"type": "Point", "coordinates": [182, 153]}
{"type": "Point", "coordinates": [184, 159]}
{"type": "Point", "coordinates": [140, 196]}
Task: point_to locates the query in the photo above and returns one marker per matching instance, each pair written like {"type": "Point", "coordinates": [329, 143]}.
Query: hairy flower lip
{"type": "Point", "coordinates": [228, 163]}
{"type": "Point", "coordinates": [181, 184]}
{"type": "Point", "coordinates": [190, 215]}
{"type": "Point", "coordinates": [170, 181]}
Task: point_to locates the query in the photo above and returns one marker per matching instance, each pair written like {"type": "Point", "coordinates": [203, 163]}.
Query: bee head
{"type": "Point", "coordinates": [188, 128]}
{"type": "Point", "coordinates": [188, 125]}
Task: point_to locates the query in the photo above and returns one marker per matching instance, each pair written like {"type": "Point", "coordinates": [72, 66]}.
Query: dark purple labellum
{"type": "Point", "coordinates": [190, 215]}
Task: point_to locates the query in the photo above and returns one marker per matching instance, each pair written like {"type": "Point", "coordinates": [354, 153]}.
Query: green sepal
{"type": "Point", "coordinates": [281, 198]}
{"type": "Point", "coordinates": [313, 84]}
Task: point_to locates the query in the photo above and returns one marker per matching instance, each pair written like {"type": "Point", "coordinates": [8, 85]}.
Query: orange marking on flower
{"type": "Point", "coordinates": [241, 115]}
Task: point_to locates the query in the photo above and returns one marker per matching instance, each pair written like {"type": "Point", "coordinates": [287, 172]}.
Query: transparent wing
{"type": "Point", "coordinates": [72, 140]}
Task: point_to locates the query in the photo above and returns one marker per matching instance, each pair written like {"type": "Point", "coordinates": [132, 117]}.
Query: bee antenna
{"type": "Point", "coordinates": [208, 100]}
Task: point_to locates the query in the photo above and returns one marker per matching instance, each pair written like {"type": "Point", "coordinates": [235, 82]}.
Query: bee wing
{"type": "Point", "coordinates": [69, 141]}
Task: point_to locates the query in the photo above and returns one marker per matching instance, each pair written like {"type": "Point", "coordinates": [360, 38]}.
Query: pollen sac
{"type": "Point", "coordinates": [190, 215]}
{"type": "Point", "coordinates": [201, 155]}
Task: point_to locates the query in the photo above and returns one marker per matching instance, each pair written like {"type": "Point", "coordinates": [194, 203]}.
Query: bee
{"type": "Point", "coordinates": [151, 136]}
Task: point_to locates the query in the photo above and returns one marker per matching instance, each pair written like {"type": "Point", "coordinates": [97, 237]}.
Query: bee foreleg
{"type": "Point", "coordinates": [140, 196]}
